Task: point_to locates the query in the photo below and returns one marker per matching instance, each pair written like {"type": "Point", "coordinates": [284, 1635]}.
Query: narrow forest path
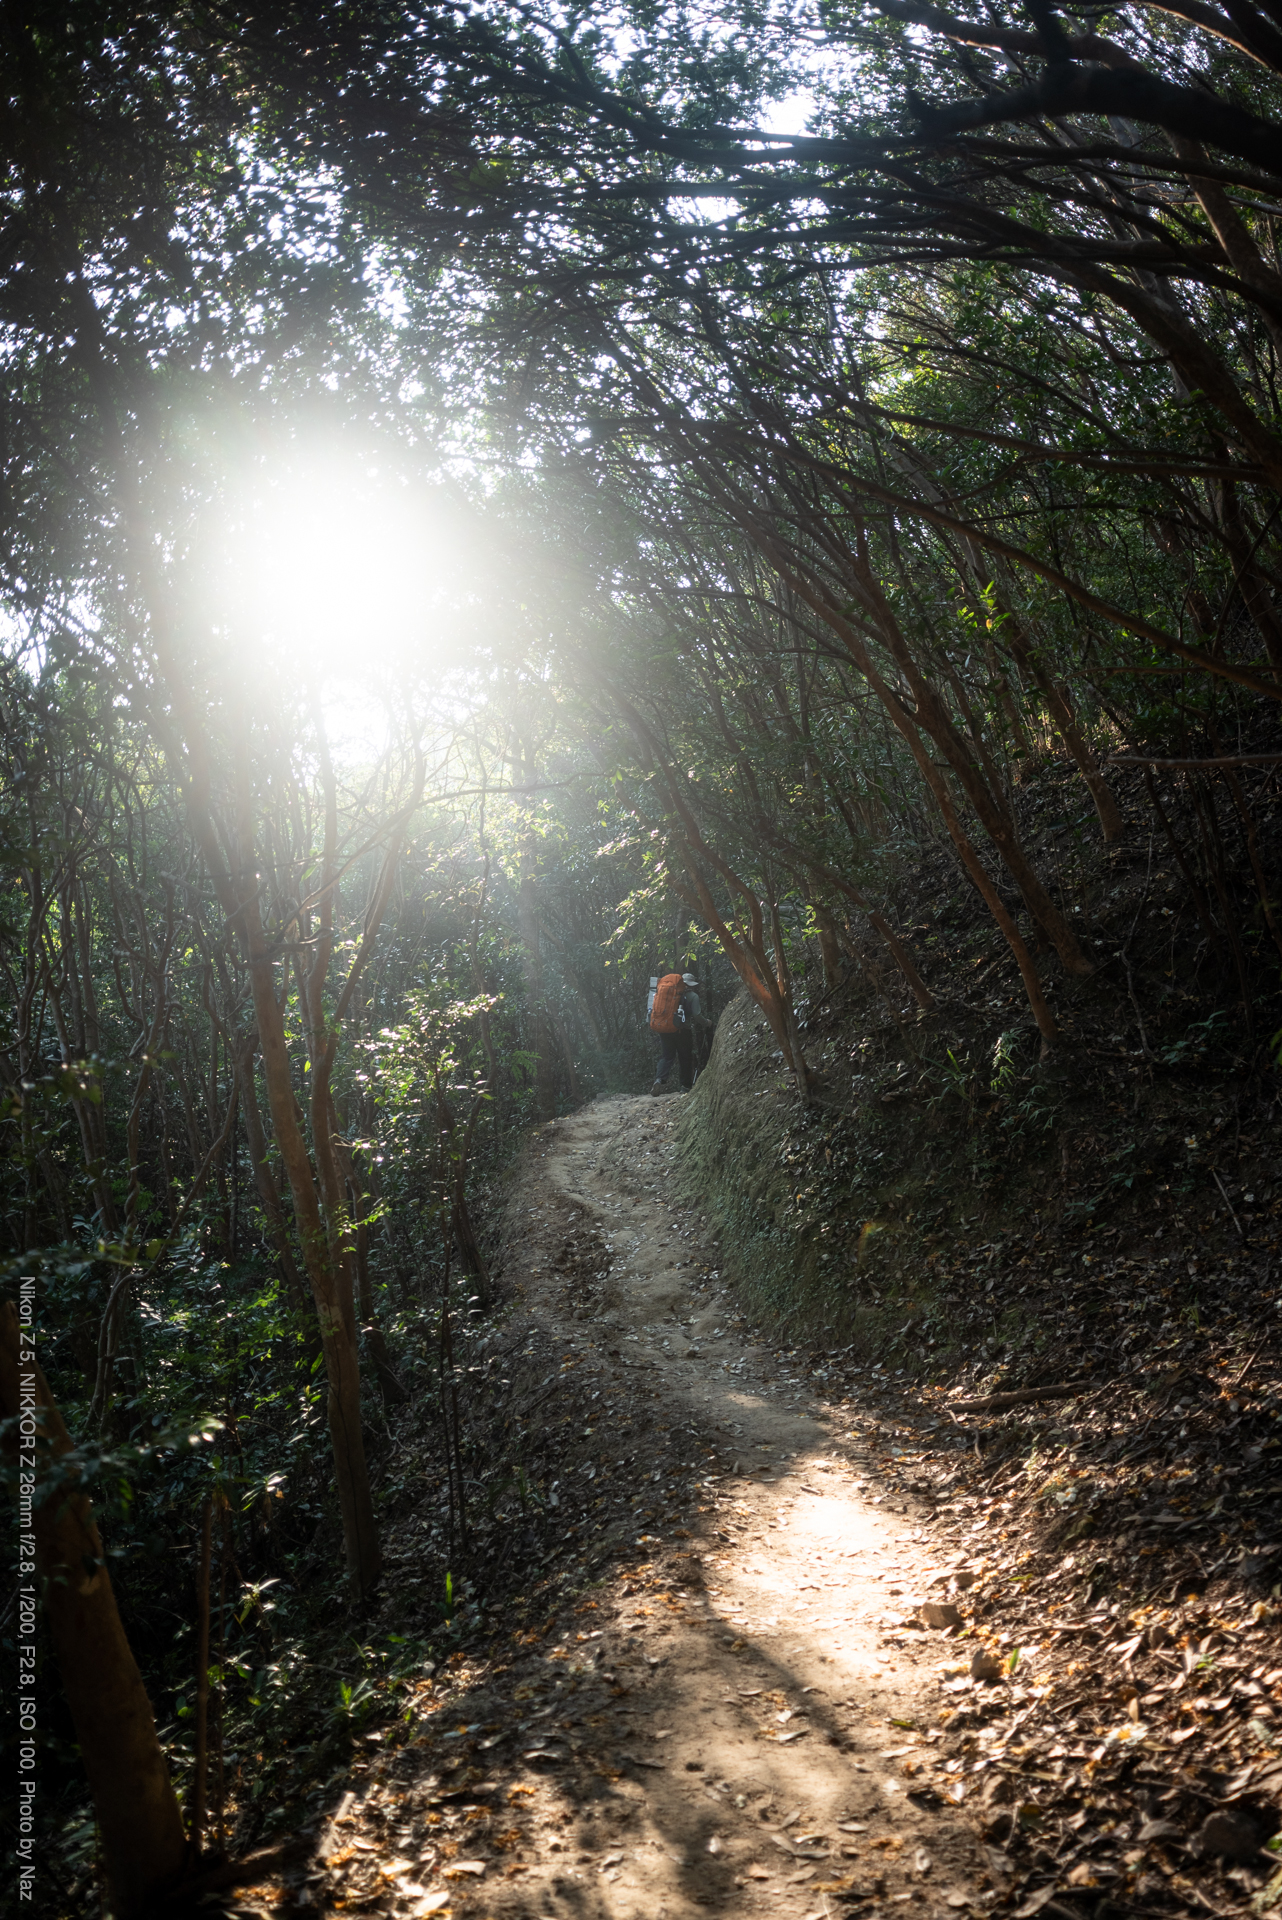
{"type": "Point", "coordinates": [770, 1753]}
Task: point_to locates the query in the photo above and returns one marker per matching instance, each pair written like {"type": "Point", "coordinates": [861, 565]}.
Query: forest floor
{"type": "Point", "coordinates": [803, 1652]}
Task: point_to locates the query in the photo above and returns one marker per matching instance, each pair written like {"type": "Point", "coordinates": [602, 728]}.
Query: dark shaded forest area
{"type": "Point", "coordinates": [499, 501]}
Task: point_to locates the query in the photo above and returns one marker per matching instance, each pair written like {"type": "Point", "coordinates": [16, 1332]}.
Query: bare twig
{"type": "Point", "coordinates": [1229, 1204]}
{"type": "Point", "coordinates": [995, 1402]}
{"type": "Point", "coordinates": [1250, 1361]}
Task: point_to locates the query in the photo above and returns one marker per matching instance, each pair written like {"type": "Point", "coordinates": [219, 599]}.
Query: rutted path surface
{"type": "Point", "coordinates": [769, 1752]}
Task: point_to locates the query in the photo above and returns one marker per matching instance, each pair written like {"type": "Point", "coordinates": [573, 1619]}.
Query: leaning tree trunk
{"type": "Point", "coordinates": [264, 1179]}
{"type": "Point", "coordinates": [330, 1278]}
{"type": "Point", "coordinates": [142, 1831]}
{"type": "Point", "coordinates": [321, 1242]}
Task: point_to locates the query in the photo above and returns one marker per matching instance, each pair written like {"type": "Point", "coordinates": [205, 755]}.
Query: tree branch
{"type": "Point", "coordinates": [1129, 93]}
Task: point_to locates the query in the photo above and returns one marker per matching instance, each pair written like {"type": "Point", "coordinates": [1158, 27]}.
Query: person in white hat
{"type": "Point", "coordinates": [690, 1013]}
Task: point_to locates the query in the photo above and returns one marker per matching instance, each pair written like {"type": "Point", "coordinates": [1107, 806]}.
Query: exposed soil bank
{"type": "Point", "coordinates": [924, 1214]}
{"type": "Point", "coordinates": [945, 1176]}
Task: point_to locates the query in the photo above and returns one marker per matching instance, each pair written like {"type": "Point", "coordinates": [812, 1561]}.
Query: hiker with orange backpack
{"type": "Point", "coordinates": [668, 1019]}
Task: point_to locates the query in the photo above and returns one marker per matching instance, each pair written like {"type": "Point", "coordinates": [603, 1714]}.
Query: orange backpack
{"type": "Point", "coordinates": [667, 998]}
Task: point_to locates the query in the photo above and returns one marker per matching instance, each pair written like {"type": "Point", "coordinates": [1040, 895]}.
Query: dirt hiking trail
{"type": "Point", "coordinates": [769, 1753]}
{"type": "Point", "coordinates": [707, 1696]}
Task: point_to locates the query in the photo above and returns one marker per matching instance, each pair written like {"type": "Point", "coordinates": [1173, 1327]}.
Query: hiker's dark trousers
{"type": "Point", "coordinates": [679, 1047]}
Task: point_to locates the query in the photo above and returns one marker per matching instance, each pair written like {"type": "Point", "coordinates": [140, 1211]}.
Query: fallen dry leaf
{"type": "Point", "coordinates": [1035, 1902]}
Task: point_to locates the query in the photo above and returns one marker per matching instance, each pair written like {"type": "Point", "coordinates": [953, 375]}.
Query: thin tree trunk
{"type": "Point", "coordinates": [829, 947]}
{"type": "Point", "coordinates": [264, 1179]}
{"type": "Point", "coordinates": [390, 1385]}
{"type": "Point", "coordinates": [992, 898]}
{"type": "Point", "coordinates": [201, 1779]}
{"type": "Point", "coordinates": [479, 984]}
{"type": "Point", "coordinates": [1111, 818]}
{"type": "Point", "coordinates": [532, 961]}
{"type": "Point", "coordinates": [1201, 905]}
{"type": "Point", "coordinates": [1267, 903]}
{"type": "Point", "coordinates": [330, 1282]}
{"type": "Point", "coordinates": [747, 955]}
{"type": "Point", "coordinates": [567, 1054]}
{"type": "Point", "coordinates": [532, 958]}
